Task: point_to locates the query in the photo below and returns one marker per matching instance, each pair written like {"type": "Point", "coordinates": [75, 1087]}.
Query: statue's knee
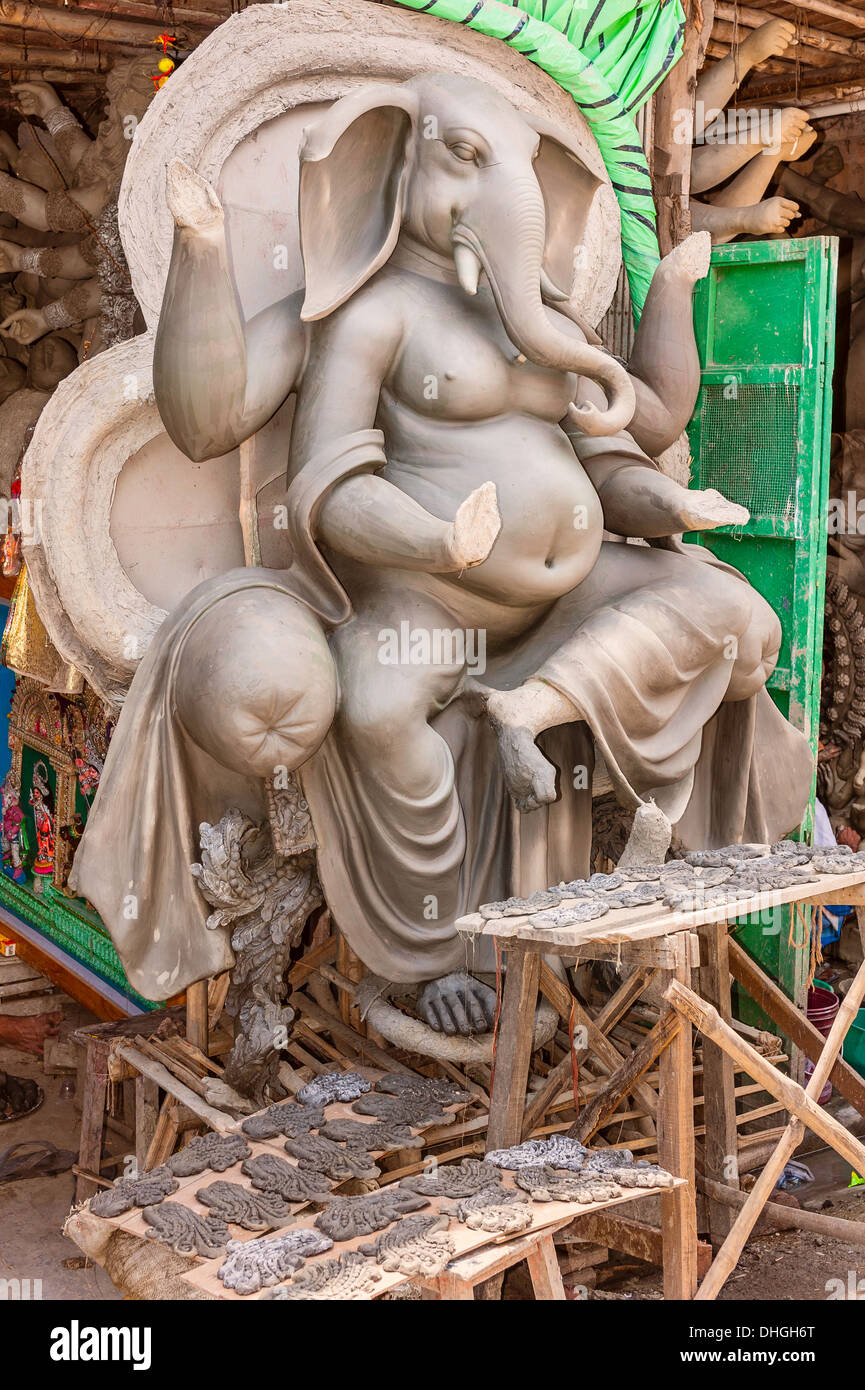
{"type": "Point", "coordinates": [756, 651]}
{"type": "Point", "coordinates": [256, 684]}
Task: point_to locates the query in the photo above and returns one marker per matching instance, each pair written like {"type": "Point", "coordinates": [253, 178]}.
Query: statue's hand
{"type": "Point", "coordinates": [768, 41]}
{"type": "Point", "coordinates": [705, 509]}
{"type": "Point", "coordinates": [475, 528]}
{"type": "Point", "coordinates": [24, 327]}
{"type": "Point", "coordinates": [36, 98]}
{"type": "Point", "coordinates": [192, 200]}
{"type": "Point", "coordinates": [457, 1003]}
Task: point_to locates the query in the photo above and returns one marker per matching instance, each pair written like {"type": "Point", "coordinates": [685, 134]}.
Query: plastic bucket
{"type": "Point", "coordinates": [823, 1005]}
{"type": "Point", "coordinates": [854, 1044]}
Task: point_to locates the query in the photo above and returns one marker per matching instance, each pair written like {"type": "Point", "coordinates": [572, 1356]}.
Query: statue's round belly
{"type": "Point", "coordinates": [552, 522]}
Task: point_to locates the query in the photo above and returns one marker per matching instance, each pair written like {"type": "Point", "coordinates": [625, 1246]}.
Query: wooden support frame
{"type": "Point", "coordinates": [728, 1255]}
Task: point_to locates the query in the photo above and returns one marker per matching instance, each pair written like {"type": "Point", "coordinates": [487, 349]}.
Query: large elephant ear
{"type": "Point", "coordinates": [352, 181]}
{"type": "Point", "coordinates": [569, 189]}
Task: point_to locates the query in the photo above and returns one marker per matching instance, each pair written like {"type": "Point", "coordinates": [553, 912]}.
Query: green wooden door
{"type": "Point", "coordinates": [765, 324]}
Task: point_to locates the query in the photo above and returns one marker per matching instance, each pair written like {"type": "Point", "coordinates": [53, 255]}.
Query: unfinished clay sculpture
{"type": "Point", "coordinates": [254, 1211]}
{"type": "Point", "coordinates": [346, 1217]}
{"type": "Point", "coordinates": [315, 1153]}
{"type": "Point", "coordinates": [349, 1276]}
{"type": "Point", "coordinates": [258, 1264]}
{"type": "Point", "coordinates": [287, 1118]}
{"type": "Point", "coordinates": [334, 1085]}
{"type": "Point", "coordinates": [505, 1213]}
{"type": "Point", "coordinates": [415, 1245]}
{"type": "Point", "coordinates": [646, 1175]}
{"type": "Point", "coordinates": [270, 1173]}
{"type": "Point", "coordinates": [214, 1152]}
{"type": "Point", "coordinates": [145, 1191]}
{"type": "Point", "coordinates": [461, 1179]}
{"type": "Point", "coordinates": [184, 1231]}
{"type": "Point", "coordinates": [416, 272]}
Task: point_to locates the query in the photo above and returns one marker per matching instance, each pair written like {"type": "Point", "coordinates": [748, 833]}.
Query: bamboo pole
{"type": "Point", "coordinates": [851, 1231]}
{"type": "Point", "coordinates": [217, 1119]}
{"type": "Point", "coordinates": [69, 23]}
{"type": "Point", "coordinates": [748, 18]}
{"type": "Point", "coordinates": [727, 1257]}
{"type": "Point", "coordinates": [791, 1095]}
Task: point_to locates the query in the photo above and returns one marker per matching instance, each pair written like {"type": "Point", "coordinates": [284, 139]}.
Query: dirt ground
{"type": "Point", "coordinates": [32, 1212]}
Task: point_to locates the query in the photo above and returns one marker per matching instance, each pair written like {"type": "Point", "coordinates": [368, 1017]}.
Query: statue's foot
{"type": "Point", "coordinates": [530, 778]}
{"type": "Point", "coordinates": [457, 1003]}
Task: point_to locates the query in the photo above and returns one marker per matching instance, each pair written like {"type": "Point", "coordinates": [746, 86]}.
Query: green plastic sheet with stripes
{"type": "Point", "coordinates": [610, 56]}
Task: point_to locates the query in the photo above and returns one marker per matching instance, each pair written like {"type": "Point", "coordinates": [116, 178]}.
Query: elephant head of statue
{"type": "Point", "coordinates": [455, 171]}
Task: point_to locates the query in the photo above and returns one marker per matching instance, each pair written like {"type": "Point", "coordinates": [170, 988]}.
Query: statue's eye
{"type": "Point", "coordinates": [467, 153]}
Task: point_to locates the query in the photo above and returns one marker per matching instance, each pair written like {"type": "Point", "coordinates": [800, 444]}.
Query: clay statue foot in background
{"type": "Point", "coordinates": [457, 1003]}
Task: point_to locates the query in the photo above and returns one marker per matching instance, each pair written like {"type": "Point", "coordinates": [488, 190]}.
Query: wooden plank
{"type": "Point", "coordinates": [215, 1119]}
{"type": "Point", "coordinates": [611, 1058]}
{"type": "Point", "coordinates": [344, 1031]}
{"type": "Point", "coordinates": [676, 1154]}
{"type": "Point", "coordinates": [92, 1116]}
{"type": "Point", "coordinates": [146, 1116]}
{"type": "Point", "coordinates": [791, 1095]}
{"type": "Point", "coordinates": [543, 1266]}
{"type": "Point", "coordinates": [196, 1014]}
{"type": "Point", "coordinates": [794, 1024]}
{"type": "Point", "coordinates": [513, 1049]}
{"type": "Point", "coordinates": [628, 1236]}
{"type": "Point", "coordinates": [853, 1232]}
{"type": "Point", "coordinates": [624, 1079]}
{"type": "Point", "coordinates": [719, 1083]}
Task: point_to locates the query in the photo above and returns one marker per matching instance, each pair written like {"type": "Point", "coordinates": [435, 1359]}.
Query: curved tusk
{"type": "Point", "coordinates": [468, 267]}
{"type": "Point", "coordinates": [549, 290]}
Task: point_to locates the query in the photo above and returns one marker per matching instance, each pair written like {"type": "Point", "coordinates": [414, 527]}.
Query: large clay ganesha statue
{"type": "Point", "coordinates": [443, 623]}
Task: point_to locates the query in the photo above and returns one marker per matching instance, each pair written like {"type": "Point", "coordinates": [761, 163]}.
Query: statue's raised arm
{"type": "Point", "coordinates": [217, 379]}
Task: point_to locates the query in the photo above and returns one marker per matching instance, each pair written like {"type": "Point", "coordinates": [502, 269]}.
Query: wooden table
{"type": "Point", "coordinates": [674, 944]}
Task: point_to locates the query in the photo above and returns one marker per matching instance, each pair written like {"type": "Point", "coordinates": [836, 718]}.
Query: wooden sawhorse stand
{"type": "Point", "coordinates": [652, 940]}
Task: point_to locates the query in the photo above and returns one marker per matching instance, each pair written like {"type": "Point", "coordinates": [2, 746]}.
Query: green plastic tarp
{"type": "Point", "coordinates": [610, 56]}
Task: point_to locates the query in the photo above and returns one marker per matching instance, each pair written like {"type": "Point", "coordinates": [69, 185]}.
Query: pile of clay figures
{"type": "Point", "coordinates": [410, 1221]}
{"type": "Point", "coordinates": [701, 878]}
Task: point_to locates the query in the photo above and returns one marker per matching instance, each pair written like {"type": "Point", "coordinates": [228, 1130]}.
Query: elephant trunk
{"type": "Point", "coordinates": [509, 245]}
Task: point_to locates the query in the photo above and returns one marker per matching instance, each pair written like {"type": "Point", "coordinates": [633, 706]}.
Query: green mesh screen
{"type": "Point", "coordinates": [749, 446]}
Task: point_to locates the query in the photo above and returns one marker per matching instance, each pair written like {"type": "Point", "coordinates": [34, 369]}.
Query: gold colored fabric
{"type": "Point", "coordinates": [28, 650]}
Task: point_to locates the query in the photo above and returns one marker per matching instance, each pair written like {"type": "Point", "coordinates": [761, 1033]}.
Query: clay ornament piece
{"type": "Point", "coordinates": [320, 1155]}
{"type": "Point", "coordinates": [544, 1184]}
{"type": "Point", "coordinates": [573, 914]}
{"type": "Point", "coordinates": [254, 1211]}
{"type": "Point", "coordinates": [349, 1276]}
{"type": "Point", "coordinates": [270, 1173]}
{"type": "Point", "coordinates": [287, 1118]}
{"type": "Point", "coordinates": [346, 1217]}
{"type": "Point", "coordinates": [640, 1175]}
{"type": "Point", "coordinates": [521, 907]}
{"type": "Point", "coordinates": [415, 1245]}
{"type": "Point", "coordinates": [208, 1151]}
{"type": "Point", "coordinates": [423, 1087]}
{"type": "Point", "coordinates": [379, 1136]}
{"type": "Point", "coordinates": [637, 896]}
{"type": "Point", "coordinates": [145, 1191]}
{"type": "Point", "coordinates": [557, 1152]}
{"type": "Point", "coordinates": [404, 1110]}
{"type": "Point", "coordinates": [461, 1179]}
{"type": "Point", "coordinates": [334, 1085]}
{"type": "Point", "coordinates": [602, 1160]}
{"type": "Point", "coordinates": [184, 1232]}
{"type": "Point", "coordinates": [498, 1210]}
{"type": "Point", "coordinates": [831, 862]}
{"type": "Point", "coordinates": [251, 1265]}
